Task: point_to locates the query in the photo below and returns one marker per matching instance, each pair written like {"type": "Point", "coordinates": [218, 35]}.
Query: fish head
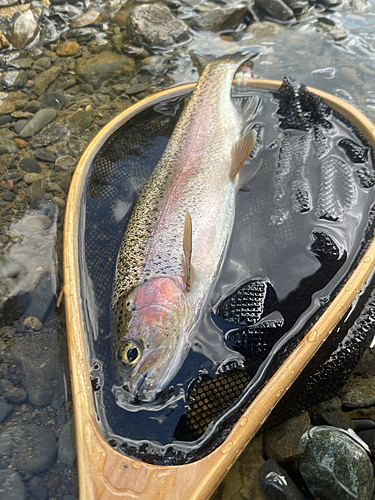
{"type": "Point", "coordinates": [151, 328]}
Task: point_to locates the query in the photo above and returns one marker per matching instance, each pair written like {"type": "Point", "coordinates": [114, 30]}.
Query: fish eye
{"type": "Point", "coordinates": [130, 353]}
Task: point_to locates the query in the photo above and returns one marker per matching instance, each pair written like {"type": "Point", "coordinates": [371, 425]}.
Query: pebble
{"type": "Point", "coordinates": [11, 485]}
{"type": "Point", "coordinates": [25, 30]}
{"type": "Point", "coordinates": [100, 69]}
{"type": "Point", "coordinates": [288, 440]}
{"type": "Point", "coordinates": [363, 425]}
{"type": "Point", "coordinates": [13, 394]}
{"type": "Point", "coordinates": [55, 100]}
{"type": "Point", "coordinates": [4, 42]}
{"type": "Point", "coordinates": [20, 125]}
{"type": "Point", "coordinates": [220, 19]}
{"type": "Point", "coordinates": [359, 393]}
{"type": "Point", "coordinates": [52, 133]}
{"type": "Point", "coordinates": [265, 29]}
{"type": "Point", "coordinates": [44, 79]}
{"type": "Point", "coordinates": [45, 155]}
{"type": "Point", "coordinates": [37, 488]}
{"type": "Point", "coordinates": [336, 466]}
{"type": "Point", "coordinates": [89, 17]}
{"type": "Point", "coordinates": [277, 484]}
{"type": "Point", "coordinates": [42, 118]}
{"type": "Point", "coordinates": [35, 192]}
{"type": "Point", "coordinates": [32, 177]}
{"type": "Point", "coordinates": [276, 9]}
{"type": "Point", "coordinates": [7, 146]}
{"type": "Point", "coordinates": [154, 24]}
{"type": "Point", "coordinates": [20, 143]}
{"type": "Point", "coordinates": [30, 165]}
{"type": "Point", "coordinates": [27, 447]}
{"type": "Point", "coordinates": [80, 120]}
{"type": "Point", "coordinates": [368, 437]}
{"type": "Point", "coordinates": [32, 106]}
{"type": "Point", "coordinates": [45, 62]}
{"type": "Point", "coordinates": [5, 410]}
{"type": "Point", "coordinates": [135, 89]}
{"type": "Point", "coordinates": [68, 49]}
{"type": "Point", "coordinates": [33, 323]}
{"type": "Point", "coordinates": [5, 119]}
{"type": "Point", "coordinates": [8, 196]}
{"type": "Point", "coordinates": [66, 451]}
{"type": "Point", "coordinates": [43, 298]}
{"type": "Point", "coordinates": [16, 79]}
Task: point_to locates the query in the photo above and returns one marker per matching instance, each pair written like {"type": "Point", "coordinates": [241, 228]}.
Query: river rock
{"type": "Point", "coordinates": [5, 410]}
{"type": "Point", "coordinates": [15, 79]}
{"type": "Point", "coordinates": [55, 100]}
{"type": "Point", "coordinates": [68, 49]}
{"type": "Point", "coordinates": [44, 79]}
{"type": "Point", "coordinates": [264, 29]}
{"type": "Point", "coordinates": [277, 484]}
{"type": "Point", "coordinates": [30, 165]}
{"type": "Point", "coordinates": [11, 485]}
{"type": "Point", "coordinates": [25, 30]}
{"type": "Point", "coordinates": [42, 118]}
{"type": "Point", "coordinates": [52, 133]}
{"type": "Point", "coordinates": [32, 177]}
{"type": "Point", "coordinates": [7, 146]}
{"type": "Point", "coordinates": [20, 125]}
{"type": "Point", "coordinates": [335, 465]}
{"type": "Point", "coordinates": [33, 323]}
{"type": "Point", "coordinates": [297, 6]}
{"type": "Point", "coordinates": [288, 440]}
{"type": "Point", "coordinates": [32, 107]}
{"type": "Point", "coordinates": [276, 9]}
{"type": "Point", "coordinates": [99, 45]}
{"type": "Point", "coordinates": [6, 107]}
{"type": "Point", "coordinates": [8, 196]}
{"type": "Point", "coordinates": [220, 19]}
{"type": "Point", "coordinates": [37, 488]}
{"type": "Point", "coordinates": [45, 155]}
{"type": "Point", "coordinates": [89, 17]}
{"type": "Point", "coordinates": [4, 42]}
{"type": "Point", "coordinates": [38, 357]}
{"type": "Point", "coordinates": [27, 448]}
{"type": "Point", "coordinates": [154, 24]}
{"type": "Point", "coordinates": [103, 69]}
{"type": "Point", "coordinates": [80, 120]}
{"type": "Point", "coordinates": [359, 393]}
{"type": "Point", "coordinates": [66, 450]}
{"type": "Point", "coordinates": [242, 480]}
{"type": "Point", "coordinates": [368, 436]}
{"type": "Point", "coordinates": [12, 394]}
{"type": "Point", "coordinates": [36, 191]}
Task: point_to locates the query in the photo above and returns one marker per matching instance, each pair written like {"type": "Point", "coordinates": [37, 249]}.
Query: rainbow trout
{"type": "Point", "coordinates": [176, 236]}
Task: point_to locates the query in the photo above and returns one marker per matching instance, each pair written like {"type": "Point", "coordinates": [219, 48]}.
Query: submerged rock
{"type": "Point", "coordinates": [276, 9]}
{"type": "Point", "coordinates": [89, 17]}
{"type": "Point", "coordinates": [42, 118]}
{"type": "Point", "coordinates": [220, 19]}
{"type": "Point", "coordinates": [359, 393]}
{"type": "Point", "coordinates": [154, 24]}
{"type": "Point", "coordinates": [66, 449]}
{"type": "Point", "coordinates": [25, 30]}
{"type": "Point", "coordinates": [27, 448]}
{"type": "Point", "coordinates": [11, 485]}
{"type": "Point", "coordinates": [45, 78]}
{"type": "Point", "coordinates": [68, 49]}
{"type": "Point", "coordinates": [335, 465]}
{"type": "Point", "coordinates": [277, 484]}
{"type": "Point", "coordinates": [103, 69]}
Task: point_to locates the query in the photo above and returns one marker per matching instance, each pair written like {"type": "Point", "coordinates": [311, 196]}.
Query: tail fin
{"type": "Point", "coordinates": [202, 60]}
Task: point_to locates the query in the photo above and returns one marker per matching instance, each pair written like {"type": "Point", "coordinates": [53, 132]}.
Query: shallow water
{"type": "Point", "coordinates": [344, 67]}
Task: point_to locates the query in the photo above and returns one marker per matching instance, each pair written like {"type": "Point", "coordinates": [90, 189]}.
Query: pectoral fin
{"type": "Point", "coordinates": [240, 152]}
{"type": "Point", "coordinates": [187, 246]}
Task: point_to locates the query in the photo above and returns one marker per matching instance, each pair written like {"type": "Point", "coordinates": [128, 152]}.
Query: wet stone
{"type": "Point", "coordinates": [20, 125]}
{"type": "Point", "coordinates": [44, 79]}
{"type": "Point", "coordinates": [359, 393]}
{"type": "Point", "coordinates": [368, 437]}
{"type": "Point", "coordinates": [87, 89]}
{"type": "Point", "coordinates": [33, 323]}
{"type": "Point", "coordinates": [25, 30]}
{"type": "Point", "coordinates": [36, 191]}
{"type": "Point", "coordinates": [287, 441]}
{"type": "Point", "coordinates": [335, 465]}
{"type": "Point", "coordinates": [276, 9]}
{"type": "Point", "coordinates": [154, 24]}
{"type": "Point", "coordinates": [4, 42]}
{"type": "Point", "coordinates": [265, 29]}
{"type": "Point", "coordinates": [80, 120]}
{"type": "Point", "coordinates": [6, 107]}
{"type": "Point", "coordinates": [32, 107]}
{"type": "Point", "coordinates": [7, 146]}
{"type": "Point", "coordinates": [42, 118]}
{"type": "Point", "coordinates": [5, 410]}
{"type": "Point", "coordinates": [363, 425]}
{"type": "Point", "coordinates": [27, 448]}
{"type": "Point", "coordinates": [8, 196]}
{"type": "Point", "coordinates": [221, 19]}
{"type": "Point", "coordinates": [44, 154]}
{"type": "Point", "coordinates": [66, 451]}
{"type": "Point", "coordinates": [105, 68]}
{"type": "Point", "coordinates": [99, 45]}
{"type": "Point", "coordinates": [135, 89]}
{"type": "Point", "coordinates": [5, 119]}
{"type": "Point", "coordinates": [45, 62]}
{"type": "Point", "coordinates": [277, 484]}
{"type": "Point", "coordinates": [13, 394]}
{"type": "Point", "coordinates": [30, 165]}
{"type": "Point", "coordinates": [52, 133]}
{"type": "Point", "coordinates": [68, 49]}
{"type": "Point", "coordinates": [43, 299]}
{"type": "Point", "coordinates": [89, 17]}
{"type": "Point", "coordinates": [55, 100]}
{"type": "Point", "coordinates": [11, 485]}
{"type": "Point", "coordinates": [14, 79]}
{"type": "Point", "coordinates": [32, 177]}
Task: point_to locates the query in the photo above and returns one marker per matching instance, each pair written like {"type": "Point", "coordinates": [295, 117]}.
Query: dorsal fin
{"type": "Point", "coordinates": [240, 152]}
{"type": "Point", "coordinates": [187, 246]}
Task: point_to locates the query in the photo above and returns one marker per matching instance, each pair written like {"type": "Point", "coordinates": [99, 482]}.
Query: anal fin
{"type": "Point", "coordinates": [240, 152]}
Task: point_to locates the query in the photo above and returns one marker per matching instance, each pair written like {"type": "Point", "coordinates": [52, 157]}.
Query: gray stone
{"type": "Point", "coordinates": [363, 425]}
{"type": "Point", "coordinates": [368, 437]}
{"type": "Point", "coordinates": [32, 107]}
{"type": "Point", "coordinates": [87, 89]}
{"type": "Point", "coordinates": [14, 78]}
{"type": "Point", "coordinates": [105, 69]}
{"type": "Point", "coordinates": [27, 448]}
{"type": "Point", "coordinates": [37, 488]}
{"type": "Point", "coordinates": [32, 177]}
{"type": "Point", "coordinates": [8, 196]}
{"type": "Point", "coordinates": [11, 485]}
{"type": "Point", "coordinates": [220, 19]}
{"type": "Point", "coordinates": [20, 125]}
{"type": "Point", "coordinates": [66, 449]}
{"type": "Point", "coordinates": [335, 465]}
{"type": "Point", "coordinates": [45, 155]}
{"type": "Point", "coordinates": [30, 165]}
{"type": "Point", "coordinates": [45, 62]}
{"type": "Point", "coordinates": [297, 6]}
{"type": "Point", "coordinates": [44, 79]}
{"type": "Point", "coordinates": [42, 118]}
{"type": "Point", "coordinates": [277, 484]}
{"type": "Point", "coordinates": [288, 440]}
{"type": "Point", "coordinates": [36, 192]}
{"type": "Point", "coordinates": [22, 63]}
{"type": "Point", "coordinates": [359, 393]}
{"type": "Point", "coordinates": [135, 89]}
{"type": "Point", "coordinates": [7, 146]}
{"type": "Point", "coordinates": [13, 394]}
{"type": "Point", "coordinates": [52, 133]}
{"type": "Point", "coordinates": [275, 9]}
{"type": "Point", "coordinates": [154, 24]}
{"type": "Point", "coordinates": [55, 100]}
{"type": "Point", "coordinates": [5, 410]}
{"type": "Point", "coordinates": [5, 119]}
{"type": "Point", "coordinates": [25, 30]}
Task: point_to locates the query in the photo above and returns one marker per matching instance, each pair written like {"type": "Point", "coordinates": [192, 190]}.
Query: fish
{"type": "Point", "coordinates": [176, 234]}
